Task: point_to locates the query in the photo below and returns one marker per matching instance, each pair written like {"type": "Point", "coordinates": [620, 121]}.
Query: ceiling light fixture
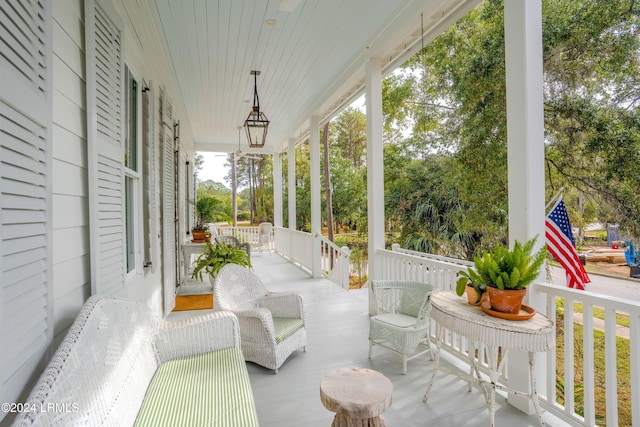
{"type": "Point", "coordinates": [257, 123]}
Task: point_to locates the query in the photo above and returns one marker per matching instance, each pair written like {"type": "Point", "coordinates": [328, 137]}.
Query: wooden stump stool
{"type": "Point", "coordinates": [358, 396]}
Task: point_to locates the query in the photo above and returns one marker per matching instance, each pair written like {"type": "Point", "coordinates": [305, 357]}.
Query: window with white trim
{"type": "Point", "coordinates": [132, 174]}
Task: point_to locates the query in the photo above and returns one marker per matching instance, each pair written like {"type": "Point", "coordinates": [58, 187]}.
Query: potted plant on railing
{"type": "Point", "coordinates": [216, 256]}
{"type": "Point", "coordinates": [199, 233]}
{"type": "Point", "coordinates": [507, 273]}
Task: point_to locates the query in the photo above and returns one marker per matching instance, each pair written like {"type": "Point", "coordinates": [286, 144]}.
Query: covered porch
{"type": "Point", "coordinates": [338, 326]}
{"type": "Point", "coordinates": [105, 224]}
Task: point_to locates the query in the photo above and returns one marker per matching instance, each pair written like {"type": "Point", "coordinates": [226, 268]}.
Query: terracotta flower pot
{"type": "Point", "coordinates": [472, 296]}
{"type": "Point", "coordinates": [198, 235]}
{"type": "Point", "coordinates": [506, 301]}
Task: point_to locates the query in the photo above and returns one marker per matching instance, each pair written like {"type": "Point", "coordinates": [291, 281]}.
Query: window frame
{"type": "Point", "coordinates": [133, 175]}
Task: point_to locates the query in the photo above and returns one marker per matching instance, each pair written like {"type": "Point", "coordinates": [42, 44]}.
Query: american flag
{"type": "Point", "coordinates": [562, 246]}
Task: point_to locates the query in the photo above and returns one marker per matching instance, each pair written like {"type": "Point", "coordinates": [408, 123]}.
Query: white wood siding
{"type": "Point", "coordinates": [71, 275]}
{"type": "Point", "coordinates": [25, 186]}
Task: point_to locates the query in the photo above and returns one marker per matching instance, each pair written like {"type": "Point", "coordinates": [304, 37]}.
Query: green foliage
{"type": "Point", "coordinates": [216, 256]}
{"type": "Point", "coordinates": [213, 202]}
{"type": "Point", "coordinates": [200, 226]}
{"type": "Point", "coordinates": [505, 269]}
{"type": "Point", "coordinates": [452, 95]}
{"type": "Point", "coordinates": [206, 207]}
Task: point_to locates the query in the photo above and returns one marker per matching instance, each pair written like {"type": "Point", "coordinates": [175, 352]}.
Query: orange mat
{"type": "Point", "coordinates": [194, 302]}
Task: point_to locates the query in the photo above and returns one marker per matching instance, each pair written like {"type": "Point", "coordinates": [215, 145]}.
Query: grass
{"type": "Point", "coordinates": [622, 364]}
{"type": "Point", "coordinates": [622, 319]}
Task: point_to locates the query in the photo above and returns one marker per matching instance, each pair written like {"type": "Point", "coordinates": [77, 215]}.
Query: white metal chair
{"type": "Point", "coordinates": [401, 320]}
{"type": "Point", "coordinates": [272, 324]}
{"type": "Point", "coordinates": [265, 236]}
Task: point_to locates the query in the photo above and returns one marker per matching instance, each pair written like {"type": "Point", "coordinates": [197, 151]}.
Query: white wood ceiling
{"type": "Point", "coordinates": [311, 61]}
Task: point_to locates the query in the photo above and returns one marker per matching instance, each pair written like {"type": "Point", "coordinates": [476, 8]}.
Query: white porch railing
{"type": "Point", "coordinates": [243, 234]}
{"type": "Point", "coordinates": [577, 405]}
{"type": "Point", "coordinates": [249, 235]}
{"type": "Point", "coordinates": [402, 264]}
{"type": "Point", "coordinates": [585, 353]}
{"type": "Point", "coordinates": [295, 245]}
{"type": "Point", "coordinates": [334, 261]}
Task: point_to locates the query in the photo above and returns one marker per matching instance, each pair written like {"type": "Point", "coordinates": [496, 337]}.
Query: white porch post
{"type": "Point", "coordinates": [375, 169]}
{"type": "Point", "coordinates": [277, 190]}
{"type": "Point", "coordinates": [525, 142]}
{"type": "Point", "coordinates": [314, 150]}
{"type": "Point", "coordinates": [291, 158]}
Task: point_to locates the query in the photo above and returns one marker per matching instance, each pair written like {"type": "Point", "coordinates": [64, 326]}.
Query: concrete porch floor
{"type": "Point", "coordinates": [338, 325]}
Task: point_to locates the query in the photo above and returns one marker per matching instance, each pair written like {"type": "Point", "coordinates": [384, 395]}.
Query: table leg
{"type": "Point", "coordinates": [494, 375]}
{"type": "Point", "coordinates": [439, 333]}
{"type": "Point", "coordinates": [342, 420]}
{"type": "Point", "coordinates": [534, 392]}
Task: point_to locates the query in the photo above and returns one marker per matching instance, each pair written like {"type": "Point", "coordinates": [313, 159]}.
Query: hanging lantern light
{"type": "Point", "coordinates": [257, 123]}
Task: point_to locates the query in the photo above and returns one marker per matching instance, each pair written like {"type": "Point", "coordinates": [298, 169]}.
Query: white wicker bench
{"type": "Point", "coordinates": [119, 365]}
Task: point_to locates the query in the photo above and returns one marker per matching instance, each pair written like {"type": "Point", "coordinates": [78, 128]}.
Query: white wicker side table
{"type": "Point", "coordinates": [358, 396]}
{"type": "Point", "coordinates": [534, 335]}
{"type": "Point", "coordinates": [188, 249]}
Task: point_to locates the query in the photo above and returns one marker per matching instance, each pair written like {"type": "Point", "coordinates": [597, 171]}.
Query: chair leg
{"type": "Point", "coordinates": [370, 348]}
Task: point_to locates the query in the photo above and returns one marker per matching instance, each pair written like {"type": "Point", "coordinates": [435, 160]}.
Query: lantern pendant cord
{"type": "Point", "coordinates": [256, 99]}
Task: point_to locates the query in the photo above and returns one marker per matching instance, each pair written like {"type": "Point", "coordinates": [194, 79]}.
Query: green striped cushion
{"type": "Point", "coordinates": [285, 326]}
{"type": "Point", "coordinates": [210, 389]}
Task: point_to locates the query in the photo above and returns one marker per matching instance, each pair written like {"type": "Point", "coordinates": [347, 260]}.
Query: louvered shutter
{"type": "Point", "coordinates": [169, 248]}
{"type": "Point", "coordinates": [149, 170]}
{"type": "Point", "coordinates": [105, 71]}
{"type": "Point", "coordinates": [25, 192]}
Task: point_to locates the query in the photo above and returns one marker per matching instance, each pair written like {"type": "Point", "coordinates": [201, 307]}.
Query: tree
{"type": "Point", "coordinates": [452, 95]}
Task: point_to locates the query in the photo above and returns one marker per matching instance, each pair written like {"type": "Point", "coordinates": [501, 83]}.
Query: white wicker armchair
{"type": "Point", "coordinates": [272, 324]}
{"type": "Point", "coordinates": [401, 320]}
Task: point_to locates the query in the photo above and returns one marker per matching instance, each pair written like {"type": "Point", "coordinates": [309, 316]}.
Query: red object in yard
{"type": "Point", "coordinates": [614, 247]}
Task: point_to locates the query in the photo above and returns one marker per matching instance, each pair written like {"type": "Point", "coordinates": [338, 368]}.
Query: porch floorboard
{"type": "Point", "coordinates": [338, 325]}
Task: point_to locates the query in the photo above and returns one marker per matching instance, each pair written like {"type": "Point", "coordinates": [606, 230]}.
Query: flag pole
{"type": "Point", "coordinates": [554, 198]}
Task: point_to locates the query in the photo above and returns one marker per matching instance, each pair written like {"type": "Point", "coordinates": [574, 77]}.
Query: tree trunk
{"type": "Point", "coordinates": [327, 182]}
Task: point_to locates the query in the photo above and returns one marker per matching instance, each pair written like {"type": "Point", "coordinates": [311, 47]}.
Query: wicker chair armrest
{"type": "Point", "coordinates": [256, 326]}
{"type": "Point", "coordinates": [283, 304]}
{"type": "Point", "coordinates": [202, 334]}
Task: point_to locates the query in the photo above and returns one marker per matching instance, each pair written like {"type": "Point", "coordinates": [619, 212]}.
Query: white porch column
{"type": "Point", "coordinates": [375, 168]}
{"type": "Point", "coordinates": [277, 190]}
{"type": "Point", "coordinates": [525, 142]}
{"type": "Point", "coordinates": [314, 150]}
{"type": "Point", "coordinates": [291, 183]}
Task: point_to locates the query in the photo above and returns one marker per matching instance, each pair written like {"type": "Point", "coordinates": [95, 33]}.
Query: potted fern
{"type": "Point", "coordinates": [216, 256]}
{"type": "Point", "coordinates": [506, 274]}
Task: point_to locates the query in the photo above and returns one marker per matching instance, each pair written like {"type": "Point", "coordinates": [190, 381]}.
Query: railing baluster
{"type": "Point", "coordinates": [569, 386]}
{"type": "Point", "coordinates": [610, 344]}
{"type": "Point", "coordinates": [589, 379]}
{"type": "Point", "coordinates": [634, 362]}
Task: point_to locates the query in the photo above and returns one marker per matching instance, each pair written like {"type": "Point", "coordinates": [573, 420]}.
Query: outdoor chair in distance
{"type": "Point", "coordinates": [265, 236]}
{"type": "Point", "coordinates": [401, 320]}
{"type": "Point", "coordinates": [233, 242]}
{"type": "Point", "coordinates": [272, 324]}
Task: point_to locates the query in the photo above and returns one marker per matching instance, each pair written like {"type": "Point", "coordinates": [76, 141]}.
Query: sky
{"type": "Point", "coordinates": [213, 167]}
